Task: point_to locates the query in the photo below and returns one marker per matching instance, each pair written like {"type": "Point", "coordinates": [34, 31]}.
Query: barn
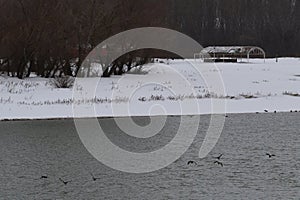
{"type": "Point", "coordinates": [230, 53]}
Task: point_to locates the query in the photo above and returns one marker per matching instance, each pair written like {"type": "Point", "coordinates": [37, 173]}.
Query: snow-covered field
{"type": "Point", "coordinates": [169, 88]}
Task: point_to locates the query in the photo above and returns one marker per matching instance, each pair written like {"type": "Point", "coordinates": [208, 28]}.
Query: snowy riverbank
{"type": "Point", "coordinates": [166, 89]}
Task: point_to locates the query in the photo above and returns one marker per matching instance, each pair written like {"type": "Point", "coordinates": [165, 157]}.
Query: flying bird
{"type": "Point", "coordinates": [191, 162]}
{"type": "Point", "coordinates": [219, 163]}
{"type": "Point", "coordinates": [44, 177]}
{"type": "Point", "coordinates": [219, 157]}
{"type": "Point", "coordinates": [64, 182]}
{"type": "Point", "coordinates": [93, 177]}
{"type": "Point", "coordinates": [270, 155]}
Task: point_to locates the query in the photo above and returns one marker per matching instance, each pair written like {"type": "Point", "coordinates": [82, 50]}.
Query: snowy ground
{"type": "Point", "coordinates": [170, 88]}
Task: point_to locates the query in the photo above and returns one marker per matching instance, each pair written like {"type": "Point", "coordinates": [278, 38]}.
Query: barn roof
{"type": "Point", "coordinates": [227, 49]}
{"type": "Point", "coordinates": [230, 52]}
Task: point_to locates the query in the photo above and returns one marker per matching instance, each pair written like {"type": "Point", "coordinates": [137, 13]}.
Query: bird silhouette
{"type": "Point", "coordinates": [64, 182]}
{"type": "Point", "coordinates": [191, 162]}
{"type": "Point", "coordinates": [270, 155]}
{"type": "Point", "coordinates": [219, 163]}
{"type": "Point", "coordinates": [219, 157]}
{"type": "Point", "coordinates": [266, 111]}
{"type": "Point", "coordinates": [44, 177]}
{"type": "Point", "coordinates": [93, 177]}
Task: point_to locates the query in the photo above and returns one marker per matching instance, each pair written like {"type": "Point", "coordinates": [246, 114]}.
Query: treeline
{"type": "Point", "coordinates": [52, 38]}
{"type": "Point", "coordinates": [272, 24]}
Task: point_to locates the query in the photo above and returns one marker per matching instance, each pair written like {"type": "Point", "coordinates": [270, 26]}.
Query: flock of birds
{"type": "Point", "coordinates": [65, 182]}
{"type": "Point", "coordinates": [191, 162]}
{"type": "Point", "coordinates": [218, 160]}
{"type": "Point", "coordinates": [275, 111]}
{"type": "Point", "coordinates": [266, 111]}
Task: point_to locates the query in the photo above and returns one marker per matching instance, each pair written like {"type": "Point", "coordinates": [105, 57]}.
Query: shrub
{"type": "Point", "coordinates": [63, 82]}
{"type": "Point", "coordinates": [137, 71]}
{"type": "Point", "coordinates": [291, 94]}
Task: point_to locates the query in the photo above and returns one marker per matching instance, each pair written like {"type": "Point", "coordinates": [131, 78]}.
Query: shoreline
{"type": "Point", "coordinates": [113, 117]}
{"type": "Point", "coordinates": [165, 89]}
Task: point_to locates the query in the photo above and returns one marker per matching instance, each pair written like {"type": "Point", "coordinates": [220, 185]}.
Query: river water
{"type": "Point", "coordinates": [52, 148]}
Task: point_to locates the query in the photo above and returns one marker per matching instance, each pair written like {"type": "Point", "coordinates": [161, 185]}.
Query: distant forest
{"type": "Point", "coordinates": [51, 37]}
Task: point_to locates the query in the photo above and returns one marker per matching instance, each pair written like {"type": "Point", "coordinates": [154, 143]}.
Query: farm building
{"type": "Point", "coordinates": [230, 53]}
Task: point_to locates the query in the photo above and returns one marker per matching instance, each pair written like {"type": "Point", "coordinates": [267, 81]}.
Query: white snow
{"type": "Point", "coordinates": [170, 88]}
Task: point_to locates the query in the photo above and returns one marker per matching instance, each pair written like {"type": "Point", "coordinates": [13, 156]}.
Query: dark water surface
{"type": "Point", "coordinates": [30, 149]}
